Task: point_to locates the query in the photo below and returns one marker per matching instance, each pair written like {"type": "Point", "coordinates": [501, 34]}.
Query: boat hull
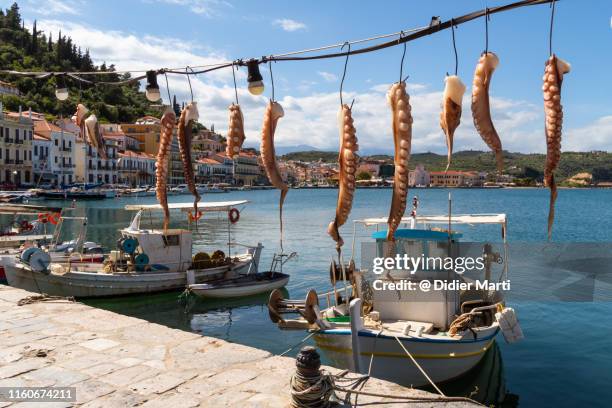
{"type": "Point", "coordinates": [90, 284]}
{"type": "Point", "coordinates": [240, 289]}
{"type": "Point", "coordinates": [442, 360]}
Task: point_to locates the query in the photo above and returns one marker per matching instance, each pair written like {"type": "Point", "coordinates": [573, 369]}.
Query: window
{"type": "Point", "coordinates": [17, 155]}
{"type": "Point", "coordinates": [30, 134]}
{"type": "Point", "coordinates": [8, 154]}
{"type": "Point", "coordinates": [1, 131]}
{"type": "Point", "coordinates": [55, 141]}
{"type": "Point", "coordinates": [55, 159]}
{"type": "Point", "coordinates": [16, 133]}
{"type": "Point", "coordinates": [30, 154]}
{"type": "Point", "coordinates": [70, 144]}
{"type": "Point", "coordinates": [36, 150]}
{"type": "Point", "coordinates": [171, 240]}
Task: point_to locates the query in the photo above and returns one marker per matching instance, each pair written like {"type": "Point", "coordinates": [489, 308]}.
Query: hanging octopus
{"type": "Point", "coordinates": [168, 121]}
{"type": "Point", "coordinates": [274, 112]}
{"type": "Point", "coordinates": [347, 164]}
{"type": "Point", "coordinates": [553, 110]}
{"type": "Point", "coordinates": [450, 117]}
{"type": "Point", "coordinates": [90, 130]}
{"type": "Point", "coordinates": [189, 115]}
{"type": "Point", "coordinates": [235, 133]}
{"type": "Point", "coordinates": [402, 137]}
{"type": "Point", "coordinates": [481, 110]}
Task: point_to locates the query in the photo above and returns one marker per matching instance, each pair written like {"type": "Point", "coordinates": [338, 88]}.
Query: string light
{"type": "Point", "coordinates": [152, 89]}
{"type": "Point", "coordinates": [255, 80]}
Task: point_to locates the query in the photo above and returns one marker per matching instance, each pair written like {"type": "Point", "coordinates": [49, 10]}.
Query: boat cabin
{"type": "Point", "coordinates": [428, 242]}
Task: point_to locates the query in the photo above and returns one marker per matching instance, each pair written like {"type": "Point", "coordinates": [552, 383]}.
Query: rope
{"type": "Point", "coordinates": [294, 346]}
{"type": "Point", "coordinates": [318, 389]}
{"type": "Point", "coordinates": [28, 300]}
{"type": "Point", "coordinates": [433, 384]}
{"type": "Point", "coordinates": [311, 391]}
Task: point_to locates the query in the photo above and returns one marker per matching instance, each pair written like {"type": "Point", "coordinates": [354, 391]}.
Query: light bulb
{"type": "Point", "coordinates": [256, 88]}
{"type": "Point", "coordinates": [61, 93]}
{"type": "Point", "coordinates": [254, 78]}
{"type": "Point", "coordinates": [152, 89]}
{"type": "Point", "coordinates": [152, 94]}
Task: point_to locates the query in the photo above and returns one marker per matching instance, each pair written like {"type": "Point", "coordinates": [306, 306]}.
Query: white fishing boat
{"type": "Point", "coordinates": [147, 260]}
{"type": "Point", "coordinates": [180, 189]}
{"type": "Point", "coordinates": [405, 335]}
{"type": "Point", "coordinates": [210, 188]}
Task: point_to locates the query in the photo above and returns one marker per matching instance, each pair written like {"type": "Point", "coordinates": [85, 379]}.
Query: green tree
{"type": "Point", "coordinates": [364, 175]}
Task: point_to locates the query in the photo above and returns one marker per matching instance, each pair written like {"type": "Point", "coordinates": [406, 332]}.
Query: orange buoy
{"type": "Point", "coordinates": [54, 218]}
{"type": "Point", "coordinates": [195, 217]}
{"type": "Point", "coordinates": [43, 217]}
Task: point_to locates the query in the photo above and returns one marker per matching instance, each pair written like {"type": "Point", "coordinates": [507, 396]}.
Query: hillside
{"type": "Point", "coordinates": [520, 165]}
{"type": "Point", "coordinates": [25, 49]}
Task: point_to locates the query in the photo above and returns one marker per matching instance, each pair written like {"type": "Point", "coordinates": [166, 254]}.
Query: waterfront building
{"type": "Point", "coordinates": [211, 170]}
{"type": "Point", "coordinates": [91, 168]}
{"type": "Point", "coordinates": [53, 151]}
{"type": "Point", "coordinates": [16, 133]}
{"type": "Point", "coordinates": [124, 142]}
{"type": "Point", "coordinates": [454, 178]}
{"type": "Point", "coordinates": [419, 176]}
{"type": "Point", "coordinates": [146, 132]}
{"type": "Point", "coordinates": [136, 168]}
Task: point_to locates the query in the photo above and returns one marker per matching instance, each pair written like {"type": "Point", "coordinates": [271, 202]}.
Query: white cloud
{"type": "Point", "coordinates": [311, 119]}
{"type": "Point", "coordinates": [207, 8]}
{"type": "Point", "coordinates": [328, 76]}
{"type": "Point", "coordinates": [288, 24]}
{"type": "Point", "coordinates": [55, 7]}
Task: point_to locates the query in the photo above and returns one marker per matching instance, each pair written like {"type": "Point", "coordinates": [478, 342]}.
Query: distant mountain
{"type": "Point", "coordinates": [520, 165]}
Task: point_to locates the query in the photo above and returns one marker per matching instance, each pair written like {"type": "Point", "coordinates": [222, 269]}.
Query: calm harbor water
{"type": "Point", "coordinates": [564, 360]}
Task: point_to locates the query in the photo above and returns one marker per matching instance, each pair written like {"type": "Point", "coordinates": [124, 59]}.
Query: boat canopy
{"type": "Point", "coordinates": [185, 207]}
{"type": "Point", "coordinates": [443, 219]}
{"type": "Point", "coordinates": [27, 209]}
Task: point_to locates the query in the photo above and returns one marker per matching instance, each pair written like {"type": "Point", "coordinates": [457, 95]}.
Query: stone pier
{"type": "Point", "coordinates": [120, 361]}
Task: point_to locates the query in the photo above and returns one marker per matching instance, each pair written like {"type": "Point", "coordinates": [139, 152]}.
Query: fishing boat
{"type": "Point", "coordinates": [248, 284]}
{"type": "Point", "coordinates": [73, 194]}
{"type": "Point", "coordinates": [146, 260]}
{"type": "Point", "coordinates": [408, 335]}
{"type": "Point", "coordinates": [210, 188]}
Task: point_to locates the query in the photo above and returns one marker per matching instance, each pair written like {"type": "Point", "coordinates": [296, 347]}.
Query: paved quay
{"type": "Point", "coordinates": [120, 361]}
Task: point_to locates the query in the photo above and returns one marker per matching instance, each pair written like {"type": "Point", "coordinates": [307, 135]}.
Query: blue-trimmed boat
{"type": "Point", "coordinates": [406, 334]}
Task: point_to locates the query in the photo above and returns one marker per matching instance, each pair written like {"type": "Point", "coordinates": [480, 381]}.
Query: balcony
{"type": "Point", "coordinates": [19, 141]}
{"type": "Point", "coordinates": [8, 140]}
{"type": "Point", "coordinates": [66, 149]}
{"type": "Point", "coordinates": [18, 161]}
{"type": "Point", "coordinates": [9, 161]}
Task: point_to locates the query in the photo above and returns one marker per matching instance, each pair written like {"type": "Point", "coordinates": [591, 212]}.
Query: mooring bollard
{"type": "Point", "coordinates": [309, 387]}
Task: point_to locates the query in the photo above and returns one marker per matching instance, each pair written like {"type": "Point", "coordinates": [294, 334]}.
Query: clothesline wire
{"type": "Point", "coordinates": [404, 36]}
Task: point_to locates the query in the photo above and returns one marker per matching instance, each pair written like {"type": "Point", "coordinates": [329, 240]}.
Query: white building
{"type": "Point", "coordinates": [53, 153]}
{"type": "Point", "coordinates": [419, 176]}
{"type": "Point", "coordinates": [136, 168]}
{"type": "Point", "coordinates": [210, 170]}
{"type": "Point", "coordinates": [91, 168]}
{"type": "Point", "coordinates": [16, 131]}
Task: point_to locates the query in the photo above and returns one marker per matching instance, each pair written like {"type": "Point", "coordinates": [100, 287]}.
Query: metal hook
{"type": "Point", "coordinates": [550, 33]}
{"type": "Point", "coordinates": [487, 18]}
{"type": "Point", "coordinates": [234, 75]}
{"type": "Point", "coordinates": [271, 78]}
{"type": "Point", "coordinates": [454, 46]}
{"type": "Point", "coordinates": [189, 80]}
{"type": "Point", "coordinates": [344, 73]}
{"type": "Point", "coordinates": [403, 55]}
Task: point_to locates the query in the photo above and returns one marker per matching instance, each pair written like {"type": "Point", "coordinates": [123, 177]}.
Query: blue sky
{"type": "Point", "coordinates": [138, 34]}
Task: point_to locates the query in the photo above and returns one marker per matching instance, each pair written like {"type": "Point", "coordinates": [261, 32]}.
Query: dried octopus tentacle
{"type": "Point", "coordinates": [274, 112]}
{"type": "Point", "coordinates": [450, 117]}
{"type": "Point", "coordinates": [481, 109]}
{"type": "Point", "coordinates": [188, 116]}
{"type": "Point", "coordinates": [235, 133]}
{"type": "Point", "coordinates": [402, 138]}
{"type": "Point", "coordinates": [348, 166]}
{"type": "Point", "coordinates": [161, 165]}
{"type": "Point", "coordinates": [95, 136]}
{"type": "Point", "coordinates": [553, 78]}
